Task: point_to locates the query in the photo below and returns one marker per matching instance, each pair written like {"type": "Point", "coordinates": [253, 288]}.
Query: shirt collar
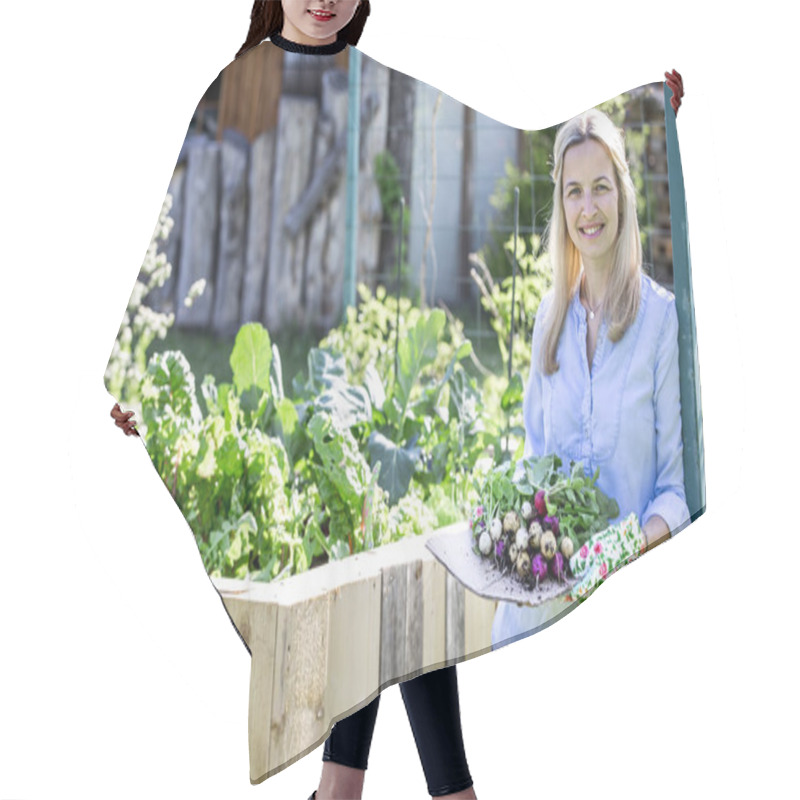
{"type": "Point", "coordinates": [319, 50]}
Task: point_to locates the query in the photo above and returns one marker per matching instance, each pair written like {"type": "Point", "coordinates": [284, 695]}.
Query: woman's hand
{"type": "Point", "coordinates": [124, 420]}
{"type": "Point", "coordinates": [675, 82]}
{"type": "Point", "coordinates": [655, 531]}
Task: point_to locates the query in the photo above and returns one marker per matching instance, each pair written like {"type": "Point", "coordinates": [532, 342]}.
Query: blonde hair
{"type": "Point", "coordinates": [624, 286]}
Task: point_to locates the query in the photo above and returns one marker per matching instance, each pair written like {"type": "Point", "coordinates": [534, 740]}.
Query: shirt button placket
{"type": "Point", "coordinates": [586, 408]}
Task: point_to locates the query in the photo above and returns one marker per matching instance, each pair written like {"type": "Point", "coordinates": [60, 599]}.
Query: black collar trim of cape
{"type": "Point", "coordinates": [319, 49]}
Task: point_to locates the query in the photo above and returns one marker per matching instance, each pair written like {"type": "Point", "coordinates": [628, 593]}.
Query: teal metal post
{"type": "Point", "coordinates": [691, 410]}
{"type": "Point", "coordinates": [353, 149]}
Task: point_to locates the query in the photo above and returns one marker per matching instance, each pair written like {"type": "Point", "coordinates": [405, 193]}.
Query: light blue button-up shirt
{"type": "Point", "coordinates": [623, 416]}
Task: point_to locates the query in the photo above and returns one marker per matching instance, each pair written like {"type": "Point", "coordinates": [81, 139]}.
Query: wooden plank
{"type": "Point", "coordinates": [263, 620]}
{"type": "Point", "coordinates": [400, 143]}
{"type": "Point", "coordinates": [256, 622]}
{"type": "Point", "coordinates": [478, 619]}
{"type": "Point", "coordinates": [259, 213]}
{"type": "Point", "coordinates": [454, 633]}
{"type": "Point", "coordinates": [374, 90]}
{"type": "Point", "coordinates": [355, 630]}
{"type": "Point", "coordinates": [293, 153]}
{"type": "Point", "coordinates": [321, 646]}
{"type": "Point", "coordinates": [301, 678]}
{"type": "Point", "coordinates": [200, 231]}
{"type": "Point", "coordinates": [435, 610]}
{"type": "Point", "coordinates": [415, 620]}
{"type": "Point", "coordinates": [324, 267]}
{"type": "Point", "coordinates": [232, 236]}
{"type": "Point", "coordinates": [393, 623]}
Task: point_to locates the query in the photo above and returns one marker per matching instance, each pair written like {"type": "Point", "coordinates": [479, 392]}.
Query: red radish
{"type": "Point", "coordinates": [539, 502]}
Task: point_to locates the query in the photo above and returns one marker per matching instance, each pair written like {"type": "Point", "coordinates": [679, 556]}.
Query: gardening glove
{"type": "Point", "coordinates": [604, 553]}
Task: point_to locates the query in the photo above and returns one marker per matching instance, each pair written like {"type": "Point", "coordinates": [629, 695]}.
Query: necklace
{"type": "Point", "coordinates": [592, 311]}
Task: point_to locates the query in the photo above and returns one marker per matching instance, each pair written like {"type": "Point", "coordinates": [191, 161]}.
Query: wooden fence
{"type": "Point", "coordinates": [326, 642]}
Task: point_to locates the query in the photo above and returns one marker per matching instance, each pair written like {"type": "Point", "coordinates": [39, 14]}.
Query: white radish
{"type": "Point", "coordinates": [496, 529]}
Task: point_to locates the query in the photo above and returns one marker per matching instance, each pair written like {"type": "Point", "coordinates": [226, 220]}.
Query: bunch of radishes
{"type": "Point", "coordinates": [525, 540]}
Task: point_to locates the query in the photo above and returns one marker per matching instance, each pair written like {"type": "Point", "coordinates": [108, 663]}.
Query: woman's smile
{"type": "Point", "coordinates": [591, 232]}
{"type": "Point", "coordinates": [321, 16]}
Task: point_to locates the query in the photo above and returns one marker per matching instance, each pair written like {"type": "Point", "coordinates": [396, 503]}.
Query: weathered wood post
{"type": "Point", "coordinates": [200, 233]}
{"type": "Point", "coordinates": [235, 150]}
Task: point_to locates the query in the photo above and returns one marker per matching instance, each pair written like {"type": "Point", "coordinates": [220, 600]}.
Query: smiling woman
{"type": "Point", "coordinates": [604, 383]}
{"type": "Point", "coordinates": [316, 21]}
{"type": "Point", "coordinates": [303, 22]}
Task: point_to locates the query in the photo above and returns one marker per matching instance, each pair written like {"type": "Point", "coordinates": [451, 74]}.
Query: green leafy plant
{"type": "Point", "coordinates": [272, 484]}
{"type": "Point", "coordinates": [369, 332]}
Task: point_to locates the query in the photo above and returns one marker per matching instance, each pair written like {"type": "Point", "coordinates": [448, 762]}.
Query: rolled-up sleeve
{"type": "Point", "coordinates": [669, 498]}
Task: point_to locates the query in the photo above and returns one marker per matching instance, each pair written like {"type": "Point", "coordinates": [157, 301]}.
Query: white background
{"type": "Point", "coordinates": [120, 674]}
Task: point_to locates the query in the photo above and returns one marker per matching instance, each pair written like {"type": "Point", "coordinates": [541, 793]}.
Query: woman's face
{"type": "Point", "coordinates": [591, 202]}
{"type": "Point", "coordinates": [316, 22]}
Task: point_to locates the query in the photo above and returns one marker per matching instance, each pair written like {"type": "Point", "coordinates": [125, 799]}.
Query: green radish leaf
{"type": "Point", "coordinates": [251, 358]}
{"type": "Point", "coordinates": [397, 464]}
{"type": "Point", "coordinates": [347, 405]}
{"type": "Point", "coordinates": [415, 351]}
{"type": "Point", "coordinates": [205, 462]}
{"type": "Point", "coordinates": [230, 458]}
{"type": "Point", "coordinates": [287, 415]}
{"type": "Point", "coordinates": [374, 386]}
{"type": "Point", "coordinates": [325, 369]}
{"type": "Point", "coordinates": [276, 383]}
{"type": "Point", "coordinates": [209, 391]}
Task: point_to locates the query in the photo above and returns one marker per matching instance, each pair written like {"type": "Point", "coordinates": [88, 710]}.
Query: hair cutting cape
{"type": "Point", "coordinates": [331, 350]}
